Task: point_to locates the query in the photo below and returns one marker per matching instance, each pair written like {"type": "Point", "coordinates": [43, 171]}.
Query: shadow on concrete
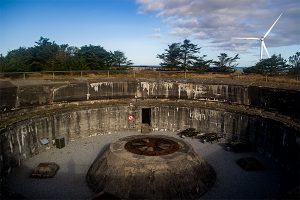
{"type": "Point", "coordinates": [68, 183]}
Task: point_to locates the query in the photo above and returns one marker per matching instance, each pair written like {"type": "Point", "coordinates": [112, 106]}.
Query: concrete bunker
{"type": "Point", "coordinates": [264, 117]}
{"type": "Point", "coordinates": [151, 167]}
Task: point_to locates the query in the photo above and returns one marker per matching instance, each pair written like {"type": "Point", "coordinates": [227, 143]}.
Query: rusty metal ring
{"type": "Point", "coordinates": [151, 146]}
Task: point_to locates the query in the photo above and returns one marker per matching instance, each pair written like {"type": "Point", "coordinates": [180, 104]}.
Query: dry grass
{"type": "Point", "coordinates": [282, 80]}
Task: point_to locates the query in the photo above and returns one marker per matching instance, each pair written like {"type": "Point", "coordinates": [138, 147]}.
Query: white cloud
{"type": "Point", "coordinates": [217, 21]}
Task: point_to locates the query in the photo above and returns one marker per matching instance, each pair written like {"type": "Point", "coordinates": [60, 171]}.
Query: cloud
{"type": "Point", "coordinates": [156, 34]}
{"type": "Point", "coordinates": [218, 21]}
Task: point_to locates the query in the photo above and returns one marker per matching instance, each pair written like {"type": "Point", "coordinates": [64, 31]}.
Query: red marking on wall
{"type": "Point", "coordinates": [130, 117]}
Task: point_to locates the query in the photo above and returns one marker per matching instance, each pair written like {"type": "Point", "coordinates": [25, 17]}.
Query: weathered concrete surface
{"type": "Point", "coordinates": [31, 110]}
{"type": "Point", "coordinates": [19, 94]}
{"type": "Point", "coordinates": [76, 158]}
{"type": "Point", "coordinates": [8, 98]}
{"type": "Point", "coordinates": [276, 100]}
{"type": "Point", "coordinates": [21, 139]}
{"type": "Point", "coordinates": [180, 175]}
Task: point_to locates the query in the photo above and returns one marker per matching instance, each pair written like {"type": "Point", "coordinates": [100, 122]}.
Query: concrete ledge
{"type": "Point", "coordinates": [272, 134]}
{"type": "Point", "coordinates": [21, 94]}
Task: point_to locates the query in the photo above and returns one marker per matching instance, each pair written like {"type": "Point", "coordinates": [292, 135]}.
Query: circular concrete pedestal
{"type": "Point", "coordinates": [150, 167]}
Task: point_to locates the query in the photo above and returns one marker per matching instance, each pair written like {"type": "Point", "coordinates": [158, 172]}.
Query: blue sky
{"type": "Point", "coordinates": [144, 28]}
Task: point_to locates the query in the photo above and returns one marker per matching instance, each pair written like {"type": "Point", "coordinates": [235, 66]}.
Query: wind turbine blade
{"type": "Point", "coordinates": [246, 38]}
{"type": "Point", "coordinates": [264, 45]}
{"type": "Point", "coordinates": [261, 50]}
{"type": "Point", "coordinates": [267, 33]}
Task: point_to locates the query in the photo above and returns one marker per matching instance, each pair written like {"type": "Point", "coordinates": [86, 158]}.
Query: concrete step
{"type": "Point", "coordinates": [146, 128]}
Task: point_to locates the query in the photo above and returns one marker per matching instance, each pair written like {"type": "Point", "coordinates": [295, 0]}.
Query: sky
{"type": "Point", "coordinates": [144, 28]}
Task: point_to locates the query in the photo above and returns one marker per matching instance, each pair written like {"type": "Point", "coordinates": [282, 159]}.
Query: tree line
{"type": "Point", "coordinates": [49, 56]}
{"type": "Point", "coordinates": [276, 65]}
{"type": "Point", "coordinates": [186, 56]}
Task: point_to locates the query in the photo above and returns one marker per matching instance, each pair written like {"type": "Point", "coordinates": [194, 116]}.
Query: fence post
{"type": "Point", "coordinates": [52, 75]}
{"type": "Point", "coordinates": [266, 78]}
{"type": "Point", "coordinates": [108, 74]}
{"type": "Point", "coordinates": [184, 74]}
{"type": "Point", "coordinates": [24, 76]}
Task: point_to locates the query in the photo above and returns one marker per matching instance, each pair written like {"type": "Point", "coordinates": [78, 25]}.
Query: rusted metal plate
{"type": "Point", "coordinates": [151, 146]}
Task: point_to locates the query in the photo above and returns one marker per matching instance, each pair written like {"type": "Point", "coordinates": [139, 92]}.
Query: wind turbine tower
{"type": "Point", "coordinates": [262, 39]}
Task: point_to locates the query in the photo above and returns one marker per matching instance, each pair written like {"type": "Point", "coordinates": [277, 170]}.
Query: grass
{"type": "Point", "coordinates": [257, 79]}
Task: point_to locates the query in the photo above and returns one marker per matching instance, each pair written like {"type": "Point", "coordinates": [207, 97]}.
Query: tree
{"type": "Point", "coordinates": [188, 51]}
{"type": "Point", "coordinates": [201, 64]}
{"type": "Point", "coordinates": [47, 55]}
{"type": "Point", "coordinates": [94, 57]}
{"type": "Point", "coordinates": [44, 55]}
{"type": "Point", "coordinates": [225, 63]}
{"type": "Point", "coordinates": [270, 66]}
{"type": "Point", "coordinates": [61, 58]}
{"type": "Point", "coordinates": [119, 58]}
{"type": "Point", "coordinates": [294, 62]}
{"type": "Point", "coordinates": [2, 63]}
{"type": "Point", "coordinates": [18, 60]}
{"type": "Point", "coordinates": [181, 55]}
{"type": "Point", "coordinates": [72, 60]}
{"type": "Point", "coordinates": [172, 56]}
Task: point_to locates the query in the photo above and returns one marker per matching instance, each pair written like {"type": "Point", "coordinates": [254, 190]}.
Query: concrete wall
{"type": "Point", "coordinates": [22, 140]}
{"type": "Point", "coordinates": [16, 95]}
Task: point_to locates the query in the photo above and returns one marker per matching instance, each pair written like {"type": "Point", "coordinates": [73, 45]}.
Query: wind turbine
{"type": "Point", "coordinates": [262, 39]}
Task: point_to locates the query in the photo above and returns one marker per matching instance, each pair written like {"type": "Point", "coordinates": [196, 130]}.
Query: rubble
{"type": "Point", "coordinates": [203, 137]}
{"type": "Point", "coordinates": [45, 170]}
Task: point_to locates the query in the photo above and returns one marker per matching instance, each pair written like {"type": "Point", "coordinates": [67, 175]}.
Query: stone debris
{"type": "Point", "coordinates": [208, 137]}
{"type": "Point", "coordinates": [190, 132]}
{"type": "Point", "coordinates": [203, 137]}
{"type": "Point", "coordinates": [45, 170]}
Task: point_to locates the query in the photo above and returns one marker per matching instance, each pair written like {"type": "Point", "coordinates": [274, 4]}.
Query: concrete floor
{"type": "Point", "coordinates": [75, 159]}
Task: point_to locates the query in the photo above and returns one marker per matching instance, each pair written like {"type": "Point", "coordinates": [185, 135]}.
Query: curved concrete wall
{"type": "Point", "coordinates": [22, 139]}
{"type": "Point", "coordinates": [16, 95]}
{"type": "Point", "coordinates": [21, 129]}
